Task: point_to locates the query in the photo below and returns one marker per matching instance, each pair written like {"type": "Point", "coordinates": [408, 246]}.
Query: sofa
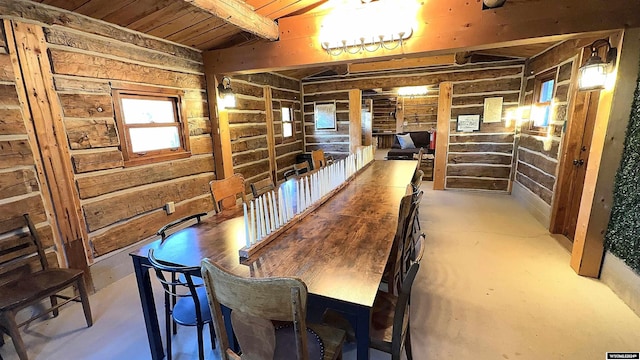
{"type": "Point", "coordinates": [420, 139]}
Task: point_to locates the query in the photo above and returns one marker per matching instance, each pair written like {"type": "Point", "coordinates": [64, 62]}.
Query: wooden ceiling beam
{"type": "Point", "coordinates": [240, 14]}
{"type": "Point", "coordinates": [444, 27]}
{"type": "Point", "coordinates": [404, 63]}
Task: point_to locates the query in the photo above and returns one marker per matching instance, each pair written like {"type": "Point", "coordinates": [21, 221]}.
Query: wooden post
{"type": "Point", "coordinates": [33, 66]}
{"type": "Point", "coordinates": [219, 131]}
{"type": "Point", "coordinates": [355, 119]}
{"type": "Point", "coordinates": [604, 158]}
{"type": "Point", "coordinates": [442, 135]}
{"type": "Point", "coordinates": [400, 115]}
{"type": "Point", "coordinates": [271, 140]}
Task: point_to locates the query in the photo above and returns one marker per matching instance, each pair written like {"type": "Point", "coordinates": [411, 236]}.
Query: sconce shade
{"type": "Point", "coordinates": [227, 97]}
{"type": "Point", "coordinates": [593, 74]}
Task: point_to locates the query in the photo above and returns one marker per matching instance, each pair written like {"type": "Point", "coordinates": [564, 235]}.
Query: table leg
{"type": "Point", "coordinates": [363, 321]}
{"type": "Point", "coordinates": [359, 316]}
{"type": "Point", "coordinates": [148, 309]}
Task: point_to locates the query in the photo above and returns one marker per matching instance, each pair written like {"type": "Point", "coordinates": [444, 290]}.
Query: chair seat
{"type": "Point", "coordinates": [382, 318]}
{"type": "Point", "coordinates": [184, 312]}
{"type": "Point", "coordinates": [30, 289]}
{"type": "Point", "coordinates": [286, 344]}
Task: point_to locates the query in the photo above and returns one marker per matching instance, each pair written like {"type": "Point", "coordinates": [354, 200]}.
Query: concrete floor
{"type": "Point", "coordinates": [493, 285]}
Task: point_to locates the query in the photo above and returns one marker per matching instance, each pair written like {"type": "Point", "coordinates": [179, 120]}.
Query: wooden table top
{"type": "Point", "coordinates": [339, 250]}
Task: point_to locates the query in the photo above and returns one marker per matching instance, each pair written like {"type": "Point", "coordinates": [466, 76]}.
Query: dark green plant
{"type": "Point", "coordinates": [623, 233]}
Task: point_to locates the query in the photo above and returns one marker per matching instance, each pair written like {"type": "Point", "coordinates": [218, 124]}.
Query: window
{"type": "Point", "coordinates": [287, 122]}
{"type": "Point", "coordinates": [543, 96]}
{"type": "Point", "coordinates": [151, 125]}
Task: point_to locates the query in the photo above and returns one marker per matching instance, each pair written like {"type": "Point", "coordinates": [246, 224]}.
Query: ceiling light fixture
{"type": "Point", "coordinates": [412, 91]}
{"type": "Point", "coordinates": [593, 74]}
{"type": "Point", "coordinates": [226, 95]}
{"type": "Point", "coordinates": [368, 27]}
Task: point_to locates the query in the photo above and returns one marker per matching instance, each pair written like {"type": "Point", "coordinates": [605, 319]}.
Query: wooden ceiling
{"type": "Point", "coordinates": [185, 21]}
{"type": "Point", "coordinates": [220, 27]}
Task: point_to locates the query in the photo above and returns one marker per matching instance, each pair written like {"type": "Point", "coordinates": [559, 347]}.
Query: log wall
{"type": "Point", "coordinates": [421, 112]}
{"type": "Point", "coordinates": [248, 125]}
{"type": "Point", "coordinates": [122, 206]}
{"type": "Point", "coordinates": [480, 160]}
{"type": "Point", "coordinates": [539, 153]}
{"type": "Point", "coordinates": [333, 142]}
{"type": "Point", "coordinates": [21, 189]}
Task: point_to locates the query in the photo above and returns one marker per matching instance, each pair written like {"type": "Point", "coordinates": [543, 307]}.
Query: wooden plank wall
{"type": "Point", "coordinates": [248, 128]}
{"type": "Point", "coordinates": [121, 205]}
{"type": "Point", "coordinates": [482, 159]}
{"type": "Point", "coordinates": [21, 190]}
{"type": "Point", "coordinates": [475, 161]}
{"type": "Point", "coordinates": [538, 155]}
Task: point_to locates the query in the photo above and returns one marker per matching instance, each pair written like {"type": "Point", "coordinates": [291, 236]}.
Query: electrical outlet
{"type": "Point", "coordinates": [170, 207]}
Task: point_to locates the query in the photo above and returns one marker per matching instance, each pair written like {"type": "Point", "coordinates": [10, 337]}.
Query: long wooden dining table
{"type": "Point", "coordinates": [339, 249]}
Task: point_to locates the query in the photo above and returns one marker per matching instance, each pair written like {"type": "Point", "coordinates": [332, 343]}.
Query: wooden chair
{"type": "Point", "coordinates": [411, 236]}
{"type": "Point", "coordinates": [22, 288]}
{"type": "Point", "coordinates": [390, 328]}
{"type": "Point", "coordinates": [298, 169]}
{"type": "Point", "coordinates": [393, 268]}
{"type": "Point", "coordinates": [319, 161]}
{"type": "Point", "coordinates": [255, 304]}
{"type": "Point", "coordinates": [191, 308]}
{"type": "Point", "coordinates": [226, 188]}
{"type": "Point", "coordinates": [260, 187]}
{"type": "Point", "coordinates": [162, 231]}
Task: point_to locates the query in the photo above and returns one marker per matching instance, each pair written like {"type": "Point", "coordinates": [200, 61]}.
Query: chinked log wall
{"type": "Point", "coordinates": [248, 125]}
{"type": "Point", "coordinates": [479, 160]}
{"type": "Point", "coordinates": [21, 189]}
{"type": "Point", "coordinates": [122, 205]}
{"type": "Point", "coordinates": [538, 154]}
{"type": "Point", "coordinates": [421, 112]}
{"type": "Point", "coordinates": [482, 159]}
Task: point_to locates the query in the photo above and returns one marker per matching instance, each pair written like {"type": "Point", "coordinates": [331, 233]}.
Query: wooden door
{"type": "Point", "coordinates": [574, 164]}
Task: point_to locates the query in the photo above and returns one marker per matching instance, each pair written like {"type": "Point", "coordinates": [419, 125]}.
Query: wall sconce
{"type": "Point", "coordinates": [227, 97]}
{"type": "Point", "coordinates": [492, 4]}
{"type": "Point", "coordinates": [593, 74]}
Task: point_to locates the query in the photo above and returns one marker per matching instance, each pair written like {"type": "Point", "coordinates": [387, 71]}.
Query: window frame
{"type": "Point", "coordinates": [539, 81]}
{"type": "Point", "coordinates": [292, 121]}
{"type": "Point", "coordinates": [153, 156]}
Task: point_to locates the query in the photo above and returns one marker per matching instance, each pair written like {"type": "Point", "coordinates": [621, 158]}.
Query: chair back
{"type": "Point", "coordinates": [162, 232]}
{"type": "Point", "coordinates": [254, 303]}
{"type": "Point", "coordinates": [317, 156]}
{"type": "Point", "coordinates": [401, 314]}
{"type": "Point", "coordinates": [416, 180]}
{"type": "Point", "coordinates": [262, 186]}
{"type": "Point", "coordinates": [18, 249]}
{"type": "Point", "coordinates": [418, 248]}
{"type": "Point", "coordinates": [226, 188]}
{"type": "Point", "coordinates": [395, 258]}
{"type": "Point", "coordinates": [301, 168]}
{"type": "Point", "coordinates": [177, 286]}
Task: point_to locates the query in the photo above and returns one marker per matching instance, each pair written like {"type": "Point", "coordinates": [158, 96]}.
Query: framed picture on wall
{"type": "Point", "coordinates": [468, 123]}
{"type": "Point", "coordinates": [324, 115]}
